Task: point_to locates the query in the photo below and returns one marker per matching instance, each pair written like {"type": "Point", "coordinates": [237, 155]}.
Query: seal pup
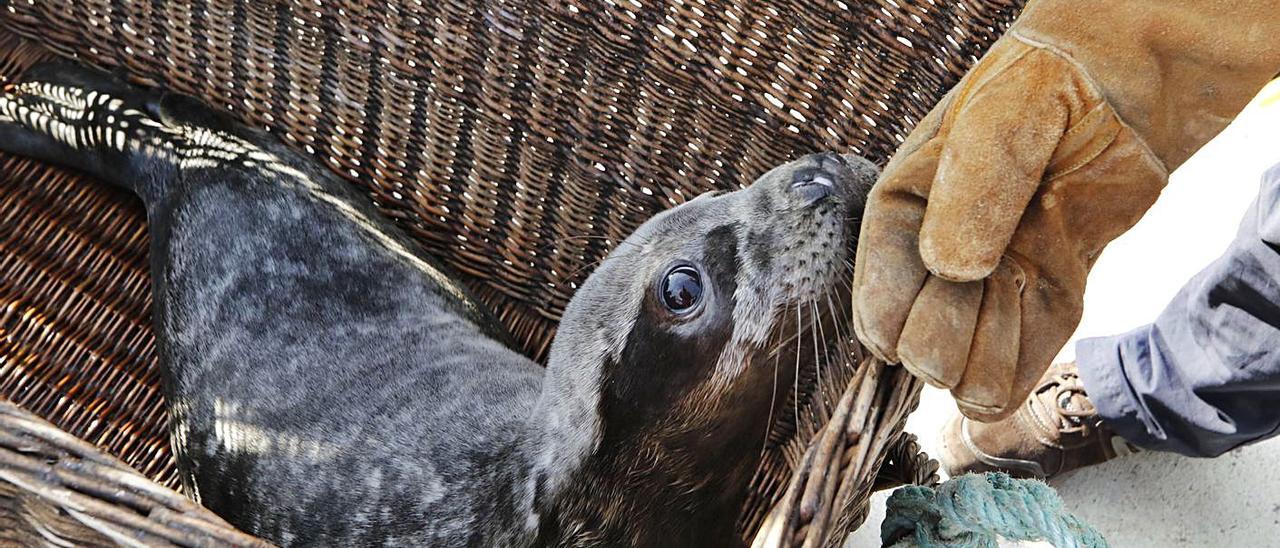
{"type": "Point", "coordinates": [329, 384]}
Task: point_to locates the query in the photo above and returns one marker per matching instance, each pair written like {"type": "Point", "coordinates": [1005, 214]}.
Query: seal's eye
{"type": "Point", "coordinates": [682, 289]}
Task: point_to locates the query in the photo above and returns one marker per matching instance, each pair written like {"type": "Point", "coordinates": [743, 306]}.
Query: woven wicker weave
{"type": "Point", "coordinates": [57, 487]}
{"type": "Point", "coordinates": [519, 140]}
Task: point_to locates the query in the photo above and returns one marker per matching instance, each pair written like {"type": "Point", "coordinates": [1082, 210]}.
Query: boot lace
{"type": "Point", "coordinates": [1075, 413]}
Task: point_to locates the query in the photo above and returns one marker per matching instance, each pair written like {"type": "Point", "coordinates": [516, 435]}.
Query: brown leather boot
{"type": "Point", "coordinates": [1055, 431]}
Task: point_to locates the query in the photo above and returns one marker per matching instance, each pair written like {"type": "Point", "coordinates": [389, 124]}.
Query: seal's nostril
{"type": "Point", "coordinates": [812, 184]}
{"type": "Point", "coordinates": [802, 176]}
{"type": "Point", "coordinates": [809, 175]}
{"type": "Point", "coordinates": [813, 176]}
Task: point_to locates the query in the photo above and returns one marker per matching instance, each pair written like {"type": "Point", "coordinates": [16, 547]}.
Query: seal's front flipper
{"type": "Point", "coordinates": [80, 118]}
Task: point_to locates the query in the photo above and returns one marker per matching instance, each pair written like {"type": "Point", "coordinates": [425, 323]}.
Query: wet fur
{"type": "Point", "coordinates": [329, 384]}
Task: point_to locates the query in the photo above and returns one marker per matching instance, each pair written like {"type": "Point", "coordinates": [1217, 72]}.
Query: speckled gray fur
{"type": "Point", "coordinates": [329, 385]}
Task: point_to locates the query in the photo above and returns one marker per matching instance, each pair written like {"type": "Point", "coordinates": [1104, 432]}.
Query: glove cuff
{"type": "Point", "coordinates": [1175, 71]}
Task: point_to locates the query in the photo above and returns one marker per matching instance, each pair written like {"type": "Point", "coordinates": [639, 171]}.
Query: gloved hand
{"type": "Point", "coordinates": [978, 237]}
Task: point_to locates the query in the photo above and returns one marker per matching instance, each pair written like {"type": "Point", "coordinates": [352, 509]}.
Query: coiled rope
{"type": "Point", "coordinates": [974, 510]}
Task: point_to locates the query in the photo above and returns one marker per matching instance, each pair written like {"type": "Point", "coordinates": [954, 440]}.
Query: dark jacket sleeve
{"type": "Point", "coordinates": [1204, 378]}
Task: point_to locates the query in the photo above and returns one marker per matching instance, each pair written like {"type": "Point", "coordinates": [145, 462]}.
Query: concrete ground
{"type": "Point", "coordinates": [1150, 499]}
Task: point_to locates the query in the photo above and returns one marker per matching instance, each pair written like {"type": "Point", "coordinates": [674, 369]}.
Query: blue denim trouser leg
{"type": "Point", "coordinates": [1204, 378]}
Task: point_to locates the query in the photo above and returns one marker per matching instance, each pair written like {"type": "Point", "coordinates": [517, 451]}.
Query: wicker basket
{"type": "Point", "coordinates": [517, 139]}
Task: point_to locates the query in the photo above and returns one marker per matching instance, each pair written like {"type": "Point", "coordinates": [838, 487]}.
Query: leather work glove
{"type": "Point", "coordinates": [978, 237]}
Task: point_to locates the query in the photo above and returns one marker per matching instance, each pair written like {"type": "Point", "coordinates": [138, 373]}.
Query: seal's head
{"type": "Point", "coordinates": [675, 353]}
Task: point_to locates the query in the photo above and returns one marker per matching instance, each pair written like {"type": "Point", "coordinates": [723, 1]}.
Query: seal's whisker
{"type": "Point", "coordinates": [838, 325]}
{"type": "Point", "coordinates": [784, 343]}
{"type": "Point", "coordinates": [796, 383]}
{"type": "Point", "coordinates": [848, 284]}
{"type": "Point", "coordinates": [840, 320]}
{"type": "Point", "coordinates": [593, 266]}
{"type": "Point", "coordinates": [815, 326]}
{"type": "Point", "coordinates": [773, 398]}
{"type": "Point", "coordinates": [823, 357]}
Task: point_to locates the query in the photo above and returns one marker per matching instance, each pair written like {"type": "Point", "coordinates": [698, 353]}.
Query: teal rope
{"type": "Point", "coordinates": [973, 509]}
